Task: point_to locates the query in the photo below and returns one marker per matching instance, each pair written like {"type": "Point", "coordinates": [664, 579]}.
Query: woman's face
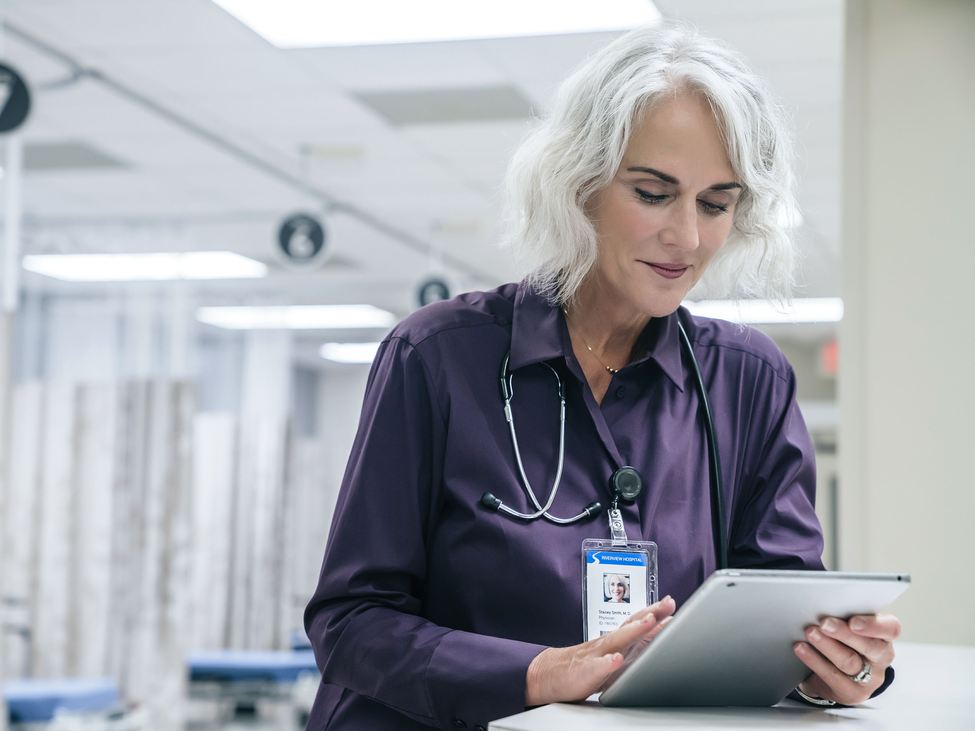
{"type": "Point", "coordinates": [617, 588]}
{"type": "Point", "coordinates": [668, 210]}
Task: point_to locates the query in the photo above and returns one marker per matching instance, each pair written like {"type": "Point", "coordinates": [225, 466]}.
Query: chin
{"type": "Point", "coordinates": [662, 306]}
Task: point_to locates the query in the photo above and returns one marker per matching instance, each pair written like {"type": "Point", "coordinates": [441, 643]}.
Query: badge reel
{"type": "Point", "coordinates": [619, 577]}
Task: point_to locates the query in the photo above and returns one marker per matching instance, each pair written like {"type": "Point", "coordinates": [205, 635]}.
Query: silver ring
{"type": "Point", "coordinates": [865, 674]}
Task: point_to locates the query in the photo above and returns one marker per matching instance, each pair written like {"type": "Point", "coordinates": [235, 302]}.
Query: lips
{"type": "Point", "coordinates": [668, 271]}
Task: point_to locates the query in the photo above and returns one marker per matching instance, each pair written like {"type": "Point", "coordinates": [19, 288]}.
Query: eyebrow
{"type": "Point", "coordinates": [674, 181]}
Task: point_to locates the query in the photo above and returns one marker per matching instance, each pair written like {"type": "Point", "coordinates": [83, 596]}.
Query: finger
{"type": "Point", "coordinates": [645, 640]}
{"type": "Point", "coordinates": [882, 626]}
{"type": "Point", "coordinates": [663, 608]}
{"type": "Point", "coordinates": [848, 660]}
{"type": "Point", "coordinates": [667, 606]}
{"type": "Point", "coordinates": [833, 685]}
{"type": "Point", "coordinates": [625, 635]}
{"type": "Point", "coordinates": [637, 616]}
{"type": "Point", "coordinates": [636, 627]}
{"type": "Point", "coordinates": [879, 652]}
{"type": "Point", "coordinates": [603, 666]}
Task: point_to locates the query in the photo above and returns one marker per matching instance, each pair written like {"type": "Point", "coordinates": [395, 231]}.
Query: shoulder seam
{"type": "Point", "coordinates": [446, 329]}
{"type": "Point", "coordinates": [426, 368]}
{"type": "Point", "coordinates": [764, 360]}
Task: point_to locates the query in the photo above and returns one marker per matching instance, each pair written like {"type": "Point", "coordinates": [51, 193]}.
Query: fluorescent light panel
{"type": "Point", "coordinates": [349, 352]}
{"type": "Point", "coordinates": [145, 267]}
{"type": "Point", "coordinates": [765, 312]}
{"type": "Point", "coordinates": [296, 317]}
{"type": "Point", "coordinates": [311, 23]}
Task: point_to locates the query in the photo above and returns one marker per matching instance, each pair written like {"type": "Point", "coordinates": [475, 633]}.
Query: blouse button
{"type": "Point", "coordinates": [620, 392]}
{"type": "Point", "coordinates": [479, 727]}
{"type": "Point", "coordinates": [459, 724]}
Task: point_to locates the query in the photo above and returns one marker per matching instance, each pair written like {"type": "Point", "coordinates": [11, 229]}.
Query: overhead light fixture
{"type": "Point", "coordinates": [145, 267]}
{"type": "Point", "coordinates": [312, 23]}
{"type": "Point", "coordinates": [349, 352]}
{"type": "Point", "coordinates": [764, 312]}
{"type": "Point", "coordinates": [296, 317]}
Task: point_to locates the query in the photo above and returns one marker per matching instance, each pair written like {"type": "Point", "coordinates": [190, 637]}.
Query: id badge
{"type": "Point", "coordinates": [618, 579]}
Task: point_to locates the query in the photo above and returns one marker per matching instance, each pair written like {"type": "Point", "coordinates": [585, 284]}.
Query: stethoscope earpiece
{"type": "Point", "coordinates": [593, 509]}
{"type": "Point", "coordinates": [490, 502]}
{"type": "Point", "coordinates": [493, 503]}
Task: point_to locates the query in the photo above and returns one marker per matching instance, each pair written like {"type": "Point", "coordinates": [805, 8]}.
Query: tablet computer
{"type": "Point", "coordinates": [731, 643]}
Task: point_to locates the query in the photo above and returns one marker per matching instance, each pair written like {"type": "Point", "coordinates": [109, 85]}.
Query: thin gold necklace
{"type": "Point", "coordinates": [598, 359]}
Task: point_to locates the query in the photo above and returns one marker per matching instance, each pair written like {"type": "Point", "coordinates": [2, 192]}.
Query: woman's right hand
{"type": "Point", "coordinates": [565, 674]}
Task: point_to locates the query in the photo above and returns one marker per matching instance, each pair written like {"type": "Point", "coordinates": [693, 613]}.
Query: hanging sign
{"type": "Point", "coordinates": [303, 242]}
{"type": "Point", "coordinates": [14, 99]}
{"type": "Point", "coordinates": [432, 289]}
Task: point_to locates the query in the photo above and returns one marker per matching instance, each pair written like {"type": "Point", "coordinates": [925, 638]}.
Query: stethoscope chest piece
{"type": "Point", "coordinates": [626, 484]}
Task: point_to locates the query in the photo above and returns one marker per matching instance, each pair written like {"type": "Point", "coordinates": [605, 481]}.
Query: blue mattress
{"type": "Point", "coordinates": [31, 700]}
{"type": "Point", "coordinates": [228, 666]}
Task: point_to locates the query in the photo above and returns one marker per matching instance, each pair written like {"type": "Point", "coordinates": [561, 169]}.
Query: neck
{"type": "Point", "coordinates": [609, 325]}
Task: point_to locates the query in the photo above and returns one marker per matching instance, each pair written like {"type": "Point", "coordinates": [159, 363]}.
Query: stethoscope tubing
{"type": "Point", "coordinates": [717, 484]}
{"type": "Point", "coordinates": [718, 514]}
{"type": "Point", "coordinates": [507, 387]}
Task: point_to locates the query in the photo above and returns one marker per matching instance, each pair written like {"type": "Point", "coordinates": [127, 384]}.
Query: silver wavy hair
{"type": "Point", "coordinates": [577, 149]}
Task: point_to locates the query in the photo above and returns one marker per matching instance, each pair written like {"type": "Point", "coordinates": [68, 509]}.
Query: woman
{"type": "Point", "coordinates": [664, 159]}
{"type": "Point", "coordinates": [616, 589]}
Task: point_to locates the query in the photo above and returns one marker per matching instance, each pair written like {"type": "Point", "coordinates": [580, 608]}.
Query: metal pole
{"type": "Point", "coordinates": [12, 223]}
{"type": "Point", "coordinates": [8, 335]}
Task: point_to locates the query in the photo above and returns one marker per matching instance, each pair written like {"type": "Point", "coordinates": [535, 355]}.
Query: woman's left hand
{"type": "Point", "coordinates": [837, 650]}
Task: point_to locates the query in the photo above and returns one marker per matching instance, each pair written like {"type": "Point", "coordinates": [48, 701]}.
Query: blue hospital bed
{"type": "Point", "coordinates": [36, 700]}
{"type": "Point", "coordinates": [243, 678]}
{"type": "Point", "coordinates": [238, 666]}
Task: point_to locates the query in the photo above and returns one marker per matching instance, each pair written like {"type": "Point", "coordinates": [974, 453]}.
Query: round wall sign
{"type": "Point", "coordinates": [14, 99]}
{"type": "Point", "coordinates": [432, 289]}
{"type": "Point", "coordinates": [302, 241]}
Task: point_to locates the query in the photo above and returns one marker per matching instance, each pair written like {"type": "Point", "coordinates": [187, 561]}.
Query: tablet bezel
{"type": "Point", "coordinates": [735, 649]}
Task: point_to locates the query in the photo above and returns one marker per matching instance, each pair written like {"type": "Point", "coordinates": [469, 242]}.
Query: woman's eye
{"type": "Point", "coordinates": [650, 197]}
{"type": "Point", "coordinates": [713, 208]}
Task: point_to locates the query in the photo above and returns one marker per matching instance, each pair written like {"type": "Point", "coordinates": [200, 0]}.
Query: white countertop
{"type": "Point", "coordinates": [934, 690]}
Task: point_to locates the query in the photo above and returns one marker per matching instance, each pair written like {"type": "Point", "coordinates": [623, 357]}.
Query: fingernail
{"type": "Point", "coordinates": [800, 648]}
{"type": "Point", "coordinates": [814, 635]}
{"type": "Point", "coordinates": [857, 624]}
{"type": "Point", "coordinates": [829, 626]}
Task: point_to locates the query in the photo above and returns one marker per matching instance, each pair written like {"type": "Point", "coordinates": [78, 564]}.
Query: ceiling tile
{"type": "Point", "coordinates": [448, 105]}
{"type": "Point", "coordinates": [403, 66]}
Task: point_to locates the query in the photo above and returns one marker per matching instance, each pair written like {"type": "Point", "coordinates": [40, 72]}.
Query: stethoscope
{"type": "Point", "coordinates": [626, 483]}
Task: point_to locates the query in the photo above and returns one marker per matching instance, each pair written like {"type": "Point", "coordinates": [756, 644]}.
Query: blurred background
{"type": "Point", "coordinates": [214, 209]}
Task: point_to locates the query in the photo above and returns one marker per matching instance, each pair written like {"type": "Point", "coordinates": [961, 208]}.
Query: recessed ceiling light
{"type": "Point", "coordinates": [145, 267]}
{"type": "Point", "coordinates": [311, 23]}
{"type": "Point", "coordinates": [296, 317]}
{"type": "Point", "coordinates": [755, 312]}
{"type": "Point", "coordinates": [349, 352]}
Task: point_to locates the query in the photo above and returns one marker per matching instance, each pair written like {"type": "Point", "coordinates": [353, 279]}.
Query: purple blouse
{"type": "Point", "coordinates": [430, 607]}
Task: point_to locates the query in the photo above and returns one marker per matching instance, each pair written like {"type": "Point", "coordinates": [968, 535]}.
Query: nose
{"type": "Point", "coordinates": [681, 229]}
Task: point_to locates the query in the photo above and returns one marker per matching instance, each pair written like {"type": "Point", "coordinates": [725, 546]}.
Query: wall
{"type": "Point", "coordinates": [907, 489]}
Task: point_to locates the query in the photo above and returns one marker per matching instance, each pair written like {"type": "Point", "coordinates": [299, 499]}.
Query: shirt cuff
{"type": "Point", "coordinates": [475, 679]}
{"type": "Point", "coordinates": [888, 679]}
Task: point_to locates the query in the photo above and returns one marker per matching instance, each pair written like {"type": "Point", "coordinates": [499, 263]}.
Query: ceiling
{"type": "Point", "coordinates": [166, 125]}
